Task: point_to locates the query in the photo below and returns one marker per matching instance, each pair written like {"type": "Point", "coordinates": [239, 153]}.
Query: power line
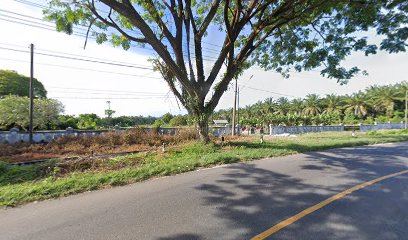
{"type": "Point", "coordinates": [108, 93]}
{"type": "Point", "coordinates": [107, 98]}
{"type": "Point", "coordinates": [101, 90]}
{"type": "Point", "coordinates": [263, 90]}
{"type": "Point", "coordinates": [49, 28]}
{"type": "Point", "coordinates": [83, 69]}
{"type": "Point", "coordinates": [138, 33]}
{"type": "Point", "coordinates": [33, 4]}
{"type": "Point", "coordinates": [42, 22]}
{"type": "Point", "coordinates": [80, 59]}
{"type": "Point", "coordinates": [75, 55]}
{"type": "Point", "coordinates": [42, 26]}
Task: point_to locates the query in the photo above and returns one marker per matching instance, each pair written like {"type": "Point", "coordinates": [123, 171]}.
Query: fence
{"type": "Point", "coordinates": [365, 128]}
{"type": "Point", "coordinates": [15, 136]}
{"type": "Point", "coordinates": [275, 130]}
{"type": "Point", "coordinates": [224, 130]}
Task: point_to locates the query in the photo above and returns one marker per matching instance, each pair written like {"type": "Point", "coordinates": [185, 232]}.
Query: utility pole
{"type": "Point", "coordinates": [238, 106]}
{"type": "Point", "coordinates": [31, 95]}
{"type": "Point", "coordinates": [108, 113]}
{"type": "Point", "coordinates": [234, 110]}
{"type": "Point", "coordinates": [406, 108]}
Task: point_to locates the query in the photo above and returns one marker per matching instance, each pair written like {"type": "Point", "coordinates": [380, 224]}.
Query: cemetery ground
{"type": "Point", "coordinates": [95, 165]}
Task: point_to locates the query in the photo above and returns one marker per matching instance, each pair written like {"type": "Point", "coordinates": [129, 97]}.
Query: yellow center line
{"type": "Point", "coordinates": [309, 210]}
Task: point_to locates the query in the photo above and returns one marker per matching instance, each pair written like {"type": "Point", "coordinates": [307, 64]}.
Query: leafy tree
{"type": "Point", "coordinates": [278, 35]}
{"type": "Point", "coordinates": [66, 121]}
{"type": "Point", "coordinates": [14, 112]}
{"type": "Point", "coordinates": [178, 121]}
{"type": "Point", "coordinates": [88, 121]}
{"type": "Point", "coordinates": [12, 83]}
{"type": "Point", "coordinates": [130, 121]}
{"type": "Point", "coordinates": [166, 118]}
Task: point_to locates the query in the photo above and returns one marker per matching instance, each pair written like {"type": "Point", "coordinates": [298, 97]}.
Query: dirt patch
{"type": "Point", "coordinates": [133, 140]}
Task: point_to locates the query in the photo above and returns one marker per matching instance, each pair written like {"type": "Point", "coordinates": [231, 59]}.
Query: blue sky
{"type": "Point", "coordinates": [84, 87]}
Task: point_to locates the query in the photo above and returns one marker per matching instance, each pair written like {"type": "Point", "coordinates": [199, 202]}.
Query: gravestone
{"type": "Point", "coordinates": [2, 138]}
{"type": "Point", "coordinates": [26, 137]}
{"type": "Point", "coordinates": [14, 136]}
{"type": "Point", "coordinates": [38, 137]}
{"type": "Point", "coordinates": [48, 137]}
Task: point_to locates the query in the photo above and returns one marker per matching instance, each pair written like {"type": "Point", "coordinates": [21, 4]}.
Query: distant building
{"type": "Point", "coordinates": [220, 122]}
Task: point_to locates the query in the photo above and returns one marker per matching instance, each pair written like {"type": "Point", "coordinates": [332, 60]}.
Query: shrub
{"type": "Point", "coordinates": [134, 136]}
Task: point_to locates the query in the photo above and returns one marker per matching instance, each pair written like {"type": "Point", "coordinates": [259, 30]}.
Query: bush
{"type": "Point", "coordinates": [130, 137]}
{"type": "Point", "coordinates": [178, 121]}
{"type": "Point", "coordinates": [134, 136]}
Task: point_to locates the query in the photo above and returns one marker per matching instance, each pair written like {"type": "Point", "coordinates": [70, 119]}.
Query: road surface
{"type": "Point", "coordinates": [236, 201]}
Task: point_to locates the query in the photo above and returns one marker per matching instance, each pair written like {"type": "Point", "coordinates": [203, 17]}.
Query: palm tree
{"type": "Point", "coordinates": [269, 105]}
{"type": "Point", "coordinates": [333, 104]}
{"type": "Point", "coordinates": [357, 104]}
{"type": "Point", "coordinates": [383, 98]}
{"type": "Point", "coordinates": [311, 105]}
{"type": "Point", "coordinates": [296, 106]}
{"type": "Point", "coordinates": [282, 106]}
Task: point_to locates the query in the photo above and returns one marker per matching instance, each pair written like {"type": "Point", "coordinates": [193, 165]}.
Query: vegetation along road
{"type": "Point", "coordinates": [240, 201]}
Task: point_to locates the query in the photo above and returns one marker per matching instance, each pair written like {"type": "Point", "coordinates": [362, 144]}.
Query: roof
{"type": "Point", "coordinates": [222, 121]}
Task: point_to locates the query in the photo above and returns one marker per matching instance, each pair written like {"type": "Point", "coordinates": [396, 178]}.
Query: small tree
{"type": "Point", "coordinates": [88, 121]}
{"type": "Point", "coordinates": [275, 35]}
{"type": "Point", "coordinates": [178, 121]}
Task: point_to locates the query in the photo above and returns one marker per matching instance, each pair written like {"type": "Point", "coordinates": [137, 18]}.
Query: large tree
{"type": "Point", "coordinates": [273, 34]}
{"type": "Point", "coordinates": [14, 112]}
{"type": "Point", "coordinates": [12, 83]}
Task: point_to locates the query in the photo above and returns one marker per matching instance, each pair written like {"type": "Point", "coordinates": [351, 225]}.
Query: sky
{"type": "Point", "coordinates": [85, 87]}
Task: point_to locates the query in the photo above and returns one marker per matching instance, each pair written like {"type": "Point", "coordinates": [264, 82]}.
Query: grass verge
{"type": "Point", "coordinates": [22, 184]}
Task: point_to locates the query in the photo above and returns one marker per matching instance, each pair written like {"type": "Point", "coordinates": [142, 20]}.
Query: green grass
{"type": "Point", "coordinates": [22, 184]}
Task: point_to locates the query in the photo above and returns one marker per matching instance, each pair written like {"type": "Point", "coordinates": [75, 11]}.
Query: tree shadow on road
{"type": "Point", "coordinates": [252, 199]}
{"type": "Point", "coordinates": [182, 237]}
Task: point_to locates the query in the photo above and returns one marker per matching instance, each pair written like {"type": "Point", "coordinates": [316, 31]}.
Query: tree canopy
{"type": "Point", "coordinates": [12, 83]}
{"type": "Point", "coordinates": [275, 35]}
{"type": "Point", "coordinates": [14, 112]}
{"type": "Point", "coordinates": [375, 104]}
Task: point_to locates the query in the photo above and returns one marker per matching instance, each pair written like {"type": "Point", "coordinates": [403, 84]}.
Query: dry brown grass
{"type": "Point", "coordinates": [133, 140]}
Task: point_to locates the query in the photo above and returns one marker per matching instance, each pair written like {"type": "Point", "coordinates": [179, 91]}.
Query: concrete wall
{"type": "Point", "coordinates": [218, 131]}
{"type": "Point", "coordinates": [275, 130]}
{"type": "Point", "coordinates": [16, 136]}
{"type": "Point", "coordinates": [365, 128]}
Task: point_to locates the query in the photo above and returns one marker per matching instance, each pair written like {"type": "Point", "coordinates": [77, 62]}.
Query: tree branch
{"type": "Point", "coordinates": [210, 16]}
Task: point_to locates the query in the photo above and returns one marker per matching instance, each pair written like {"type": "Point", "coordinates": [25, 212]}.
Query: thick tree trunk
{"type": "Point", "coordinates": [202, 127]}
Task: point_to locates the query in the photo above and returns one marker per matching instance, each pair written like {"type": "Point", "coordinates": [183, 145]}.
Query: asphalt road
{"type": "Point", "coordinates": [236, 201]}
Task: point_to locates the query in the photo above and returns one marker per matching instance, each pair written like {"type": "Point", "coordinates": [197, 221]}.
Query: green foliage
{"type": "Point", "coordinates": [88, 121]}
{"type": "Point", "coordinates": [274, 35]}
{"type": "Point", "coordinates": [158, 123]}
{"type": "Point", "coordinates": [14, 112]}
{"type": "Point", "coordinates": [66, 121]}
{"type": "Point", "coordinates": [376, 104]}
{"type": "Point", "coordinates": [12, 83]}
{"type": "Point", "coordinates": [179, 121]}
{"type": "Point", "coordinates": [166, 118]}
{"type": "Point", "coordinates": [130, 121]}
